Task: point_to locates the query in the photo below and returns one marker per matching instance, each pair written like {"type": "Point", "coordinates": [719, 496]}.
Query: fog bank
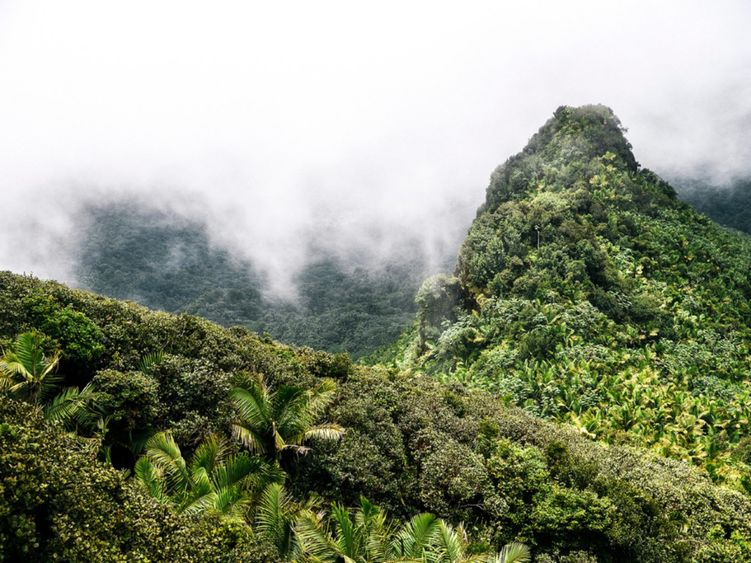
{"type": "Point", "coordinates": [358, 126]}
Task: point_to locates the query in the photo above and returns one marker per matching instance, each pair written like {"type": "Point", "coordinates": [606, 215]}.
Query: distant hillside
{"type": "Point", "coordinates": [586, 292]}
{"type": "Point", "coordinates": [167, 262]}
{"type": "Point", "coordinates": [729, 205]}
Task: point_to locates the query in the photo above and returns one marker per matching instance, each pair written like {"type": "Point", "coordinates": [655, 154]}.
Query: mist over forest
{"type": "Point", "coordinates": [360, 140]}
{"type": "Point", "coordinates": [334, 282]}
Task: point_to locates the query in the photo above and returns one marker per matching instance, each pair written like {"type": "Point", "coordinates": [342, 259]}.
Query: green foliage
{"type": "Point", "coordinates": [369, 537]}
{"type": "Point", "coordinates": [58, 503]}
{"type": "Point", "coordinates": [276, 422]}
{"type": "Point", "coordinates": [594, 297]}
{"type": "Point", "coordinates": [25, 371]}
{"type": "Point", "coordinates": [129, 401]}
{"type": "Point", "coordinates": [609, 310]}
{"type": "Point", "coordinates": [412, 446]}
{"type": "Point", "coordinates": [79, 339]}
{"type": "Point", "coordinates": [214, 480]}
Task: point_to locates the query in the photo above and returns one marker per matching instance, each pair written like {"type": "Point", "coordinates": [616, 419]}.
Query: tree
{"type": "Point", "coordinates": [275, 517]}
{"type": "Point", "coordinates": [369, 538]}
{"type": "Point", "coordinates": [213, 480]}
{"type": "Point", "coordinates": [27, 372]}
{"type": "Point", "coordinates": [272, 422]}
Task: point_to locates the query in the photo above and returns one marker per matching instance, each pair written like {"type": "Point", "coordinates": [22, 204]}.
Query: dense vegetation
{"type": "Point", "coordinates": [167, 262]}
{"type": "Point", "coordinates": [587, 293]}
{"type": "Point", "coordinates": [410, 445]}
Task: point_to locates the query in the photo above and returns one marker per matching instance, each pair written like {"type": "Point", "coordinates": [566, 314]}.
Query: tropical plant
{"type": "Point", "coordinates": [275, 517]}
{"type": "Point", "coordinates": [149, 361]}
{"type": "Point", "coordinates": [213, 480]}
{"type": "Point", "coordinates": [370, 538]}
{"type": "Point", "coordinates": [27, 372]}
{"type": "Point", "coordinates": [272, 422]}
{"type": "Point", "coordinates": [74, 407]}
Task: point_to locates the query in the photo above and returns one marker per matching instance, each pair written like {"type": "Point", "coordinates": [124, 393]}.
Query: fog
{"type": "Point", "coordinates": [358, 126]}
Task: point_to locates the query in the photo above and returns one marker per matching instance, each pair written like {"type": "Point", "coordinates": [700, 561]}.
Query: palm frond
{"type": "Point", "coordinates": [48, 385]}
{"type": "Point", "coordinates": [274, 521]}
{"type": "Point", "coordinates": [321, 397]}
{"type": "Point", "coordinates": [49, 365]}
{"type": "Point", "coordinates": [70, 405]}
{"type": "Point", "coordinates": [290, 410]}
{"type": "Point", "coordinates": [151, 479]}
{"type": "Point", "coordinates": [514, 552]}
{"type": "Point", "coordinates": [236, 470]}
{"type": "Point", "coordinates": [27, 371]}
{"type": "Point", "coordinates": [250, 438]}
{"type": "Point", "coordinates": [447, 545]}
{"type": "Point", "coordinates": [28, 352]}
{"type": "Point", "coordinates": [349, 536]}
{"type": "Point", "coordinates": [149, 361]}
{"type": "Point", "coordinates": [416, 535]}
{"type": "Point", "coordinates": [209, 454]}
{"type": "Point", "coordinates": [252, 404]}
{"type": "Point", "coordinates": [327, 431]}
{"type": "Point", "coordinates": [233, 502]}
{"type": "Point", "coordinates": [314, 538]}
{"type": "Point", "coordinates": [196, 504]}
{"type": "Point", "coordinates": [372, 521]}
{"type": "Point", "coordinates": [165, 454]}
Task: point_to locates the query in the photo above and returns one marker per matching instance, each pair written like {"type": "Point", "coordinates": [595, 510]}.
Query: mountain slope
{"type": "Point", "coordinates": [586, 292]}
{"type": "Point", "coordinates": [411, 444]}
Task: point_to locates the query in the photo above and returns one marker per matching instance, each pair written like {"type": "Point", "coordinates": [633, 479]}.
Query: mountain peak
{"type": "Point", "coordinates": [596, 127]}
{"type": "Point", "coordinates": [567, 143]}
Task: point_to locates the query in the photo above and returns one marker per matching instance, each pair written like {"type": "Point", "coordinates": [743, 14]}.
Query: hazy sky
{"type": "Point", "coordinates": [269, 120]}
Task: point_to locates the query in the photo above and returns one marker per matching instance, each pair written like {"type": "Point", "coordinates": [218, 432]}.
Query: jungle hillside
{"type": "Point", "coordinates": [576, 390]}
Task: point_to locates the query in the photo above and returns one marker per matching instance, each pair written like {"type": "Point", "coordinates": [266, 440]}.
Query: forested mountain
{"type": "Point", "coordinates": [577, 391]}
{"type": "Point", "coordinates": [167, 262]}
{"type": "Point", "coordinates": [587, 293]}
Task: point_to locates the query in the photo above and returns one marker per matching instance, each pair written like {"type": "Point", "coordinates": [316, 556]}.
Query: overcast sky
{"type": "Point", "coordinates": [272, 119]}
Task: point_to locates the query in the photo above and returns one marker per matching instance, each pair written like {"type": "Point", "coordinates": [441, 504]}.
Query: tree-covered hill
{"type": "Point", "coordinates": [167, 262]}
{"type": "Point", "coordinates": [156, 452]}
{"type": "Point", "coordinates": [577, 391]}
{"type": "Point", "coordinates": [587, 293]}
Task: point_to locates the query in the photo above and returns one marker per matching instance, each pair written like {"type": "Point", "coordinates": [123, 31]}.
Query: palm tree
{"type": "Point", "coordinates": [26, 371]}
{"type": "Point", "coordinates": [74, 407]}
{"type": "Point", "coordinates": [342, 539]}
{"type": "Point", "coordinates": [513, 552]}
{"type": "Point", "coordinates": [214, 479]}
{"type": "Point", "coordinates": [272, 422]}
{"type": "Point", "coordinates": [369, 538]}
{"type": "Point", "coordinates": [274, 520]}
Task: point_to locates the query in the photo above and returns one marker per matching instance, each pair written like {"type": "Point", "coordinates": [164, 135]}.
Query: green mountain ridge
{"type": "Point", "coordinates": [586, 292]}
{"type": "Point", "coordinates": [411, 444]}
{"type": "Point", "coordinates": [580, 385]}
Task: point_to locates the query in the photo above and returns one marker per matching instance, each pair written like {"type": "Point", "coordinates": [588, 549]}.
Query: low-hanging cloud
{"type": "Point", "coordinates": [360, 126]}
